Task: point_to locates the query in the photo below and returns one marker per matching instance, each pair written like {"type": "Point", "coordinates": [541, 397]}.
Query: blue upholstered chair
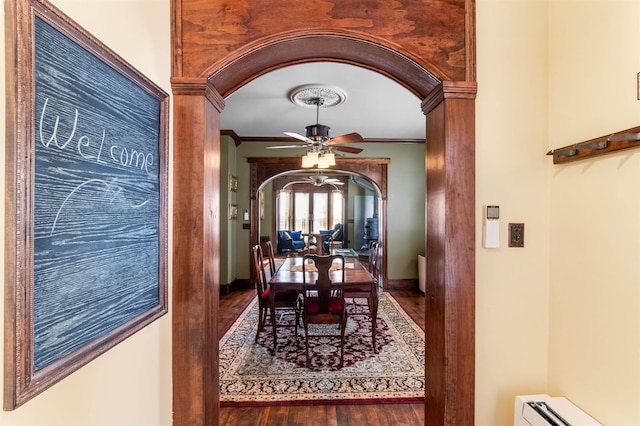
{"type": "Point", "coordinates": [335, 234]}
{"type": "Point", "coordinates": [290, 241]}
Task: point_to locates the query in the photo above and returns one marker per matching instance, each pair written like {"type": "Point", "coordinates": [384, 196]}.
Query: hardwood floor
{"type": "Point", "coordinates": [233, 304]}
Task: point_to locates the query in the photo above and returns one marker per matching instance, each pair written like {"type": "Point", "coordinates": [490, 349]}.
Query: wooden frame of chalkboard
{"type": "Point", "coordinates": [86, 199]}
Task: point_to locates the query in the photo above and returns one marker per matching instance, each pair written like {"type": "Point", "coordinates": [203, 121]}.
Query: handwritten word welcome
{"type": "Point", "coordinates": [119, 154]}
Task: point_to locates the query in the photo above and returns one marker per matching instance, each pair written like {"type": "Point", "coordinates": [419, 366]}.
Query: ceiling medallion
{"type": "Point", "coordinates": [309, 94]}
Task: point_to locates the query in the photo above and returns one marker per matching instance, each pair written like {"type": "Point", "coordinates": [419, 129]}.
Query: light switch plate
{"type": "Point", "coordinates": [516, 235]}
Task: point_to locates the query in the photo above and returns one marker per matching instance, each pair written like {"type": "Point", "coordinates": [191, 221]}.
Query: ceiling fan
{"type": "Point", "coordinates": [317, 180]}
{"type": "Point", "coordinates": [317, 136]}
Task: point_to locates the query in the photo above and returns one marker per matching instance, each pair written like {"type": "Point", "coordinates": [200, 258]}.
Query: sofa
{"type": "Point", "coordinates": [290, 241]}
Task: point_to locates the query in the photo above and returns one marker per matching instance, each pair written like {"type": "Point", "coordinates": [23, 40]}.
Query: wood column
{"type": "Point", "coordinates": [450, 252]}
{"type": "Point", "coordinates": [196, 247]}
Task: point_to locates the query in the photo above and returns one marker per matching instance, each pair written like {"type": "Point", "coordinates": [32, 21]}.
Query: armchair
{"type": "Point", "coordinates": [290, 241]}
{"type": "Point", "coordinates": [334, 234]}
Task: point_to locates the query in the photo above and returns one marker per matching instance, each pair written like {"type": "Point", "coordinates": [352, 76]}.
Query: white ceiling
{"type": "Point", "coordinates": [376, 106]}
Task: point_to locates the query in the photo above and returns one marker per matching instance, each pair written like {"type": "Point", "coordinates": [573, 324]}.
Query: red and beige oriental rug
{"type": "Point", "coordinates": [251, 376]}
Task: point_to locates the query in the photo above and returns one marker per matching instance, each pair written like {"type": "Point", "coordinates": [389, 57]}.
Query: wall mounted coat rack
{"type": "Point", "coordinates": [625, 139]}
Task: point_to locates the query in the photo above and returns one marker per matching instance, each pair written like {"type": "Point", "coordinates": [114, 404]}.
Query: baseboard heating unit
{"type": "Point", "coordinates": [544, 410]}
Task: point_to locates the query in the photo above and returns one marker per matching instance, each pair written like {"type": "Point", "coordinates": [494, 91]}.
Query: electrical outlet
{"type": "Point", "coordinates": [516, 235]}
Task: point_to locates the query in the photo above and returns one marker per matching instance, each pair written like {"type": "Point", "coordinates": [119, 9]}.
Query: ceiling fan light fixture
{"type": "Point", "coordinates": [310, 159]}
{"type": "Point", "coordinates": [326, 160]}
{"type": "Point", "coordinates": [330, 157]}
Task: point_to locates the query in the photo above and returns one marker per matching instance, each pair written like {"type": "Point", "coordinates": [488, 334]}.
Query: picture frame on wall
{"type": "Point", "coordinates": [86, 200]}
{"type": "Point", "coordinates": [233, 183]}
{"type": "Point", "coordinates": [262, 204]}
{"type": "Point", "coordinates": [233, 211]}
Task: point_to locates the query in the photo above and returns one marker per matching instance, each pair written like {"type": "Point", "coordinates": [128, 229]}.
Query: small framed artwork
{"type": "Point", "coordinates": [233, 211]}
{"type": "Point", "coordinates": [233, 183]}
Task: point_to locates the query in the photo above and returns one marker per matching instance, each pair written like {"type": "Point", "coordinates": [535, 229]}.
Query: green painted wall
{"type": "Point", "coordinates": [405, 207]}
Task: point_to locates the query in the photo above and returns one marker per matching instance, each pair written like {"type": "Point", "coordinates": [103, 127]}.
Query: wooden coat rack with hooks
{"type": "Point", "coordinates": [618, 141]}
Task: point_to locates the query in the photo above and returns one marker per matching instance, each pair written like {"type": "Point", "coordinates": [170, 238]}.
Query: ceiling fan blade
{"type": "Point", "coordinates": [348, 149]}
{"type": "Point", "coordinates": [348, 138]}
{"type": "Point", "coordinates": [298, 136]}
{"type": "Point", "coordinates": [285, 146]}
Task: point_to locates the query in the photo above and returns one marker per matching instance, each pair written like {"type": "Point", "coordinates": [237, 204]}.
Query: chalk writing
{"type": "Point", "coordinates": [111, 189]}
{"type": "Point", "coordinates": [122, 155]}
{"type": "Point", "coordinates": [127, 158]}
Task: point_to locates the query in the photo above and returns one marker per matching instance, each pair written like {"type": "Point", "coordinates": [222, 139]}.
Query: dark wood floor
{"type": "Point", "coordinates": [233, 304]}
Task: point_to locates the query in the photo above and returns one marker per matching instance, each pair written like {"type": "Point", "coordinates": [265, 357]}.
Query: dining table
{"type": "Point", "coordinates": [290, 276]}
{"type": "Point", "coordinates": [346, 252]}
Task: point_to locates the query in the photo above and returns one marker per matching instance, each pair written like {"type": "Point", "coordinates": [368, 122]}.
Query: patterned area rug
{"type": "Point", "coordinates": [249, 375]}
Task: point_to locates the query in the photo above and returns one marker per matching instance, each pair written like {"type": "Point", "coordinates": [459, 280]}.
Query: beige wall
{"type": "Point", "coordinates": [594, 338]}
{"type": "Point", "coordinates": [130, 385]}
{"type": "Point", "coordinates": [512, 284]}
{"type": "Point", "coordinates": [559, 315]}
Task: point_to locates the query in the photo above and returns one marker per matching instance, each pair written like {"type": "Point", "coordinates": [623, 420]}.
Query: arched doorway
{"type": "Point", "coordinates": [263, 169]}
{"type": "Point", "coordinates": [450, 239]}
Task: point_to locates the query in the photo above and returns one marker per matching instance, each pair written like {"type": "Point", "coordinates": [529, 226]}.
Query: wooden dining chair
{"type": "Point", "coordinates": [272, 258]}
{"type": "Point", "coordinates": [283, 301]}
{"type": "Point", "coordinates": [374, 258]}
{"type": "Point", "coordinates": [359, 293]}
{"type": "Point", "coordinates": [322, 303]}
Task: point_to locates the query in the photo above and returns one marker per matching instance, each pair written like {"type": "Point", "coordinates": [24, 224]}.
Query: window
{"type": "Point", "coordinates": [284, 210]}
{"type": "Point", "coordinates": [301, 211]}
{"type": "Point", "coordinates": [320, 211]}
{"type": "Point", "coordinates": [337, 205]}
{"type": "Point", "coordinates": [309, 210]}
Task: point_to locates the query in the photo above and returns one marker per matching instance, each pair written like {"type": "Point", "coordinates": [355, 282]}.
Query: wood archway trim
{"type": "Point", "coordinates": [261, 169]}
{"type": "Point", "coordinates": [450, 222]}
{"type": "Point", "coordinates": [333, 45]}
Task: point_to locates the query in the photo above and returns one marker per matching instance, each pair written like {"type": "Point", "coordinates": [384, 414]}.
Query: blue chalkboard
{"type": "Point", "coordinates": [96, 198]}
